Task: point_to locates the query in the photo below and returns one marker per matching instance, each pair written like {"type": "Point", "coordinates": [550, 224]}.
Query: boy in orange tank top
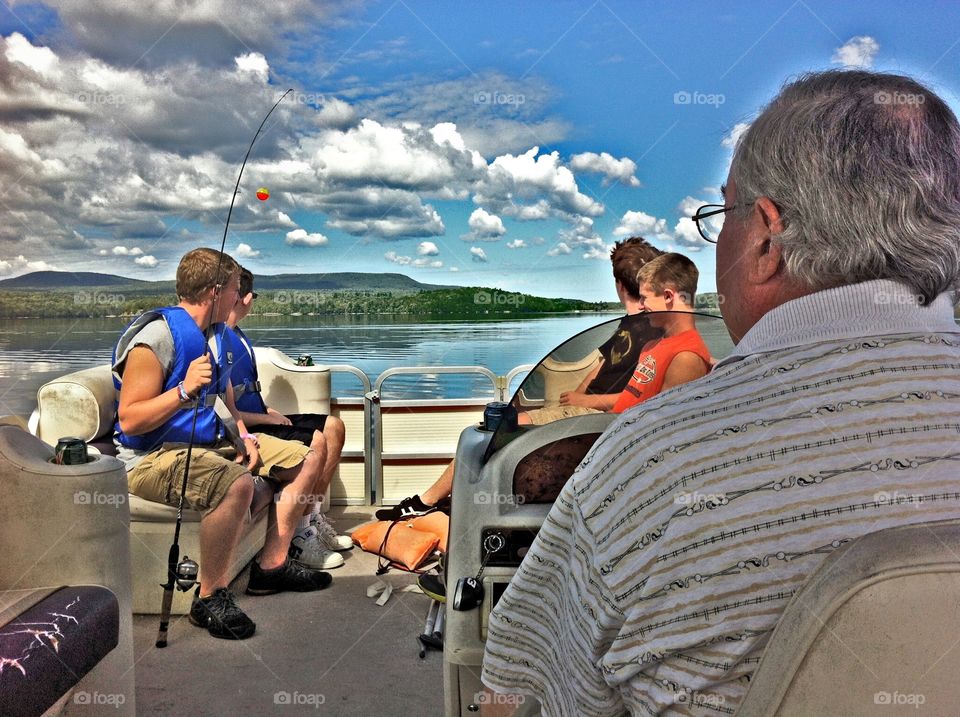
{"type": "Point", "coordinates": [668, 285]}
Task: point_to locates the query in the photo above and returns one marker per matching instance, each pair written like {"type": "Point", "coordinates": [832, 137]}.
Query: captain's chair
{"type": "Point", "coordinates": [875, 630]}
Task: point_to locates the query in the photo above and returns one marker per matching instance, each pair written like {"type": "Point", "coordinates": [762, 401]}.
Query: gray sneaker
{"type": "Point", "coordinates": [308, 549]}
{"type": "Point", "coordinates": [329, 538]}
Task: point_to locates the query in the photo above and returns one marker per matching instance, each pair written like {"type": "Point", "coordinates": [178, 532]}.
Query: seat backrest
{"type": "Point", "coordinates": [561, 376]}
{"type": "Point", "coordinates": [80, 404]}
{"type": "Point", "coordinates": [875, 626]}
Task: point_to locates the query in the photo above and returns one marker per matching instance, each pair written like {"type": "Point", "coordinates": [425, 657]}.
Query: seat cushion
{"type": "Point", "coordinates": [51, 645]}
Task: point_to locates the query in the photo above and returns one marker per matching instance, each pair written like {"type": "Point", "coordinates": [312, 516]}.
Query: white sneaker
{"type": "Point", "coordinates": [307, 549]}
{"type": "Point", "coordinates": [328, 534]}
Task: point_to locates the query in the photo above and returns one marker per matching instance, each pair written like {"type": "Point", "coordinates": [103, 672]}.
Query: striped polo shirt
{"type": "Point", "coordinates": [664, 565]}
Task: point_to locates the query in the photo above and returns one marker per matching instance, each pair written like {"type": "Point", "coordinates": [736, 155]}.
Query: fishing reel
{"type": "Point", "coordinates": [187, 571]}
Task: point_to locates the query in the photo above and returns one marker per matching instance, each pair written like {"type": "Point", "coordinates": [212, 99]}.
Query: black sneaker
{"type": "Point", "coordinates": [221, 616]}
{"type": "Point", "coordinates": [432, 586]}
{"type": "Point", "coordinates": [290, 576]}
{"type": "Point", "coordinates": [407, 508]}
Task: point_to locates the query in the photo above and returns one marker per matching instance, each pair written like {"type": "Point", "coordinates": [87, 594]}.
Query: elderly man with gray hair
{"type": "Point", "coordinates": [662, 569]}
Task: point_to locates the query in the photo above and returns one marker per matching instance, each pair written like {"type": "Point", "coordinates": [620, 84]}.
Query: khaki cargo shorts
{"type": "Point", "coordinates": [541, 416]}
{"type": "Point", "coordinates": [159, 475]}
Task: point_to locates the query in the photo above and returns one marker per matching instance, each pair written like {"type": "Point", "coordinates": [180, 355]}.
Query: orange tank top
{"type": "Point", "coordinates": [647, 379]}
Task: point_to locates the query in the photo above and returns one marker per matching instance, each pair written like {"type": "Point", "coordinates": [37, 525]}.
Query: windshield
{"type": "Point", "coordinates": [599, 361]}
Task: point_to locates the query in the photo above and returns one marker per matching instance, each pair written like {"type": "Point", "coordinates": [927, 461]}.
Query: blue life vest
{"type": "Point", "coordinates": [188, 343]}
{"type": "Point", "coordinates": [243, 376]}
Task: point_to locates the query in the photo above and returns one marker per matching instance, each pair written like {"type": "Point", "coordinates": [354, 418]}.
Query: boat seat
{"type": "Point", "coordinates": [872, 631]}
{"type": "Point", "coordinates": [82, 404]}
{"type": "Point", "coordinates": [554, 377]}
{"type": "Point", "coordinates": [51, 638]}
{"type": "Point", "coordinates": [64, 525]}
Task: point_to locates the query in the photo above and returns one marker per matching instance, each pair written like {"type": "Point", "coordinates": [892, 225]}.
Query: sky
{"type": "Point", "coordinates": [496, 144]}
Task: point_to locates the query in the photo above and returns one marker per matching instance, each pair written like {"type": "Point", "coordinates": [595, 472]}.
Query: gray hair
{"type": "Point", "coordinates": [865, 170]}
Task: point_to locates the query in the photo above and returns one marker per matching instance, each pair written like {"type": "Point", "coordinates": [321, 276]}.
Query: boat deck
{"type": "Point", "coordinates": [329, 652]}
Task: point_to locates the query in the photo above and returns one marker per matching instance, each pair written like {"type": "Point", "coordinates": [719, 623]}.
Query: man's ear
{"type": "Point", "coordinates": [767, 253]}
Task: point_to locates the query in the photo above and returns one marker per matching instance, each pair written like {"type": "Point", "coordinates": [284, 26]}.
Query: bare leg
{"type": "Point", "coordinates": [441, 488]}
{"type": "Point", "coordinates": [287, 509]}
{"type": "Point", "coordinates": [331, 439]}
{"type": "Point", "coordinates": [220, 532]}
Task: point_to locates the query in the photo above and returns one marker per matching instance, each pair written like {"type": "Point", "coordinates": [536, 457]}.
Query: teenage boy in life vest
{"type": "Point", "coordinates": [316, 543]}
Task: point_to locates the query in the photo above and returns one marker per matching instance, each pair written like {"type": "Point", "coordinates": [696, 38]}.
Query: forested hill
{"type": "Point", "coordinates": [340, 281]}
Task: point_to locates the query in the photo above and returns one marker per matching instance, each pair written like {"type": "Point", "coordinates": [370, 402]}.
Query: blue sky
{"type": "Point", "coordinates": [496, 144]}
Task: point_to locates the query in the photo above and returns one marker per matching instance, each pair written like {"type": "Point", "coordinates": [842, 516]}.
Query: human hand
{"type": "Point", "coordinates": [573, 398]}
{"type": "Point", "coordinates": [199, 374]}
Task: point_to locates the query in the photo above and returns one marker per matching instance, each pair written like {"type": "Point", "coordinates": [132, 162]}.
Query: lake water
{"type": "Point", "coordinates": [35, 351]}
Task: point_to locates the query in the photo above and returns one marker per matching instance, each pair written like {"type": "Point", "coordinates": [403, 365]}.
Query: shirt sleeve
{"type": "Point", "coordinates": [155, 336]}
{"type": "Point", "coordinates": [554, 622]}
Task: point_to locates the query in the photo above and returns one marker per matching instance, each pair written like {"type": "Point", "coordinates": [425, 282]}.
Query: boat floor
{"type": "Point", "coordinates": [331, 652]}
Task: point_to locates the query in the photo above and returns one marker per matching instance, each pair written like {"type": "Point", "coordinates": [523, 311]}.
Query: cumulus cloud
{"type": "Point", "coordinates": [612, 169]}
{"type": "Point", "coordinates": [245, 251]}
{"type": "Point", "coordinates": [516, 244]}
{"type": "Point", "coordinates": [254, 63]}
{"type": "Point", "coordinates": [427, 248]}
{"type": "Point", "coordinates": [124, 251]}
{"type": "Point", "coordinates": [300, 237]}
{"type": "Point", "coordinates": [285, 221]}
{"type": "Point", "coordinates": [478, 255]}
{"type": "Point", "coordinates": [22, 265]}
{"type": "Point", "coordinates": [146, 260]}
{"type": "Point", "coordinates": [560, 248]}
{"type": "Point", "coordinates": [484, 226]}
{"type": "Point", "coordinates": [635, 223]}
{"type": "Point", "coordinates": [858, 51]}
{"type": "Point", "coordinates": [422, 262]}
{"type": "Point", "coordinates": [735, 134]}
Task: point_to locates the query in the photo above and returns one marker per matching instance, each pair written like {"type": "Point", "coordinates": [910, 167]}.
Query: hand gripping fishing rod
{"type": "Point", "coordinates": [183, 574]}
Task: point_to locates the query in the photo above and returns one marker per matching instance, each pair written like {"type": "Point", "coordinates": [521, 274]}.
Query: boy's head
{"type": "Point", "coordinates": [628, 257]}
{"type": "Point", "coordinates": [668, 283]}
{"type": "Point", "coordinates": [197, 274]}
{"type": "Point", "coordinates": [247, 295]}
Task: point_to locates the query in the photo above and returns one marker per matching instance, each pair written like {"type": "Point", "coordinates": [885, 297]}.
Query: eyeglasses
{"type": "Point", "coordinates": [705, 212]}
{"type": "Point", "coordinates": [254, 294]}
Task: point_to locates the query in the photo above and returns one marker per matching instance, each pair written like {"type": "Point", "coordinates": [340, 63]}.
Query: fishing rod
{"type": "Point", "coordinates": [183, 573]}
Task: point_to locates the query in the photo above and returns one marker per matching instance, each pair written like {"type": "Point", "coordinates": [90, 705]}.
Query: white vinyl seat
{"type": "Point", "coordinates": [556, 377]}
{"type": "Point", "coordinates": [874, 630]}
